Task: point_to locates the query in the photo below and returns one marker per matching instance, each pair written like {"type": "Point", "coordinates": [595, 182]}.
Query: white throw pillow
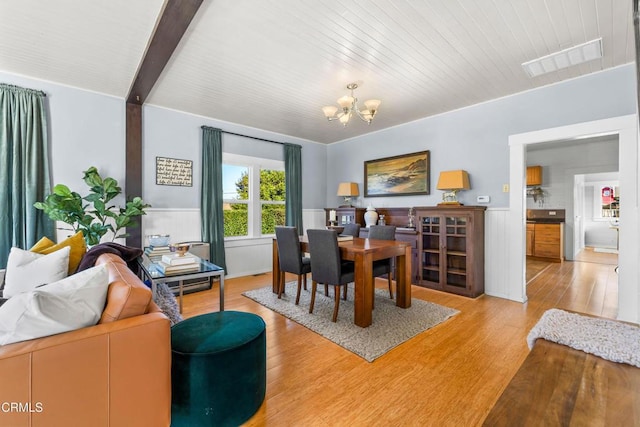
{"type": "Point", "coordinates": [72, 303]}
{"type": "Point", "coordinates": [27, 270]}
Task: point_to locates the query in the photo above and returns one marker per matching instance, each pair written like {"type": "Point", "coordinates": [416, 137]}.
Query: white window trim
{"type": "Point", "coordinates": [255, 204]}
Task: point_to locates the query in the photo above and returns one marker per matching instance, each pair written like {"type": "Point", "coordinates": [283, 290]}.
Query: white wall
{"type": "Point", "coordinates": [170, 133]}
{"type": "Point", "coordinates": [476, 138]}
{"type": "Point", "coordinates": [244, 256]}
{"type": "Point", "coordinates": [88, 129]}
{"type": "Point", "coordinates": [85, 129]}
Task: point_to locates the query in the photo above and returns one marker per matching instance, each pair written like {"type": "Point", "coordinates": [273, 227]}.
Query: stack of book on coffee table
{"type": "Point", "coordinates": [173, 263]}
{"type": "Point", "coordinates": [157, 251]}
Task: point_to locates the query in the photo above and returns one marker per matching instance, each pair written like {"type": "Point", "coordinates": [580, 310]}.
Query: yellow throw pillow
{"type": "Point", "coordinates": [76, 243]}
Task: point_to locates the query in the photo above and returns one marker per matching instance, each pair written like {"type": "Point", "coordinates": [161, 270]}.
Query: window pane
{"type": "Point", "coordinates": [272, 216]}
{"type": "Point", "coordinates": [235, 182]}
{"type": "Point", "coordinates": [272, 185]}
{"type": "Point", "coordinates": [236, 219]}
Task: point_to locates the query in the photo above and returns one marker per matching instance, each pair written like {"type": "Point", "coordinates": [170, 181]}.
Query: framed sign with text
{"type": "Point", "coordinates": [177, 172]}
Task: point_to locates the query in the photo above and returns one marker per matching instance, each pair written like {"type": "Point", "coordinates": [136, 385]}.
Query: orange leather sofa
{"type": "Point", "coordinates": [116, 373]}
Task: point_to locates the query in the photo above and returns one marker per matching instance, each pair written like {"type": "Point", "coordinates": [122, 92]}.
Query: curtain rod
{"type": "Point", "coordinates": [253, 137]}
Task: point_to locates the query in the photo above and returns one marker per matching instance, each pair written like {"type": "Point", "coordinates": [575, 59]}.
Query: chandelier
{"type": "Point", "coordinates": [349, 107]}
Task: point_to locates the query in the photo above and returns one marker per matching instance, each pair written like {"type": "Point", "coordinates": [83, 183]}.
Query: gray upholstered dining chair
{"type": "Point", "coordinates": [383, 266]}
{"type": "Point", "coordinates": [291, 259]}
{"type": "Point", "coordinates": [327, 266]}
{"type": "Point", "coordinates": [351, 229]}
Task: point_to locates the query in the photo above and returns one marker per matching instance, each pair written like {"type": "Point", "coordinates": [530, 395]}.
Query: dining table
{"type": "Point", "coordinates": [363, 252]}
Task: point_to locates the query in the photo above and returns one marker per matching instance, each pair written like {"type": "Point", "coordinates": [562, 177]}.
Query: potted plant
{"type": "Point", "coordinates": [92, 213]}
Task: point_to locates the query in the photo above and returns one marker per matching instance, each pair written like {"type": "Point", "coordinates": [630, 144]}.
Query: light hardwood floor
{"type": "Point", "coordinates": [449, 375]}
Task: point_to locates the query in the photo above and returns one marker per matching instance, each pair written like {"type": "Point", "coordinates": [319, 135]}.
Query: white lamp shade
{"type": "Point", "coordinates": [372, 104]}
{"type": "Point", "coordinates": [329, 111]}
{"type": "Point", "coordinates": [345, 101]}
{"type": "Point", "coordinates": [344, 119]}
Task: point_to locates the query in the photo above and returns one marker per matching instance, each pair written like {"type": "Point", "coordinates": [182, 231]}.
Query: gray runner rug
{"type": "Point", "coordinates": [391, 325]}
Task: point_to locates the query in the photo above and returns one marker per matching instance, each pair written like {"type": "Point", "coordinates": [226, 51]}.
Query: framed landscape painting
{"type": "Point", "coordinates": [405, 175]}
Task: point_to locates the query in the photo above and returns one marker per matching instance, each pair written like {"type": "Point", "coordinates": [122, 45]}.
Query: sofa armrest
{"type": "Point", "coordinates": [117, 373]}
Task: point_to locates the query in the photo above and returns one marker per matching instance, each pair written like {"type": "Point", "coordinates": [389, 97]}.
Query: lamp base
{"type": "Point", "coordinates": [449, 204]}
{"type": "Point", "coordinates": [345, 206]}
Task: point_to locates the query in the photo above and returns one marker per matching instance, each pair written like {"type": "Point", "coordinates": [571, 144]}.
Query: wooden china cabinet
{"type": "Point", "coordinates": [451, 249]}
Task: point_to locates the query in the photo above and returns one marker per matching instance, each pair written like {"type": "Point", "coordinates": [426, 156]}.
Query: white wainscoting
{"type": "Point", "coordinates": [253, 256]}
{"type": "Point", "coordinates": [496, 252]}
{"type": "Point", "coordinates": [244, 256]}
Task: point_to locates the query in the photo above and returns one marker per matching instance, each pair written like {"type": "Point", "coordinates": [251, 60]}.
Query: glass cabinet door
{"type": "Point", "coordinates": [431, 226]}
{"type": "Point", "coordinates": [456, 251]}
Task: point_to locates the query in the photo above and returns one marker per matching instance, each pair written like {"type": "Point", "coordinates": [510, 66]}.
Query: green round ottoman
{"type": "Point", "coordinates": [218, 369]}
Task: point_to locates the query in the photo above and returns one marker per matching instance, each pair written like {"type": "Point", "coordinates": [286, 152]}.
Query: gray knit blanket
{"type": "Point", "coordinates": [608, 339]}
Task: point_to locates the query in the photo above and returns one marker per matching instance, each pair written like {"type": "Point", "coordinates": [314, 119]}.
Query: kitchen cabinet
{"type": "Point", "coordinates": [530, 238]}
{"type": "Point", "coordinates": [546, 241]}
{"type": "Point", "coordinates": [534, 175]}
{"type": "Point", "coordinates": [451, 249]}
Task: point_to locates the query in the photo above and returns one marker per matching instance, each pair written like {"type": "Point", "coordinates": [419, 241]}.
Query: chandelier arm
{"type": "Point", "coordinates": [360, 114]}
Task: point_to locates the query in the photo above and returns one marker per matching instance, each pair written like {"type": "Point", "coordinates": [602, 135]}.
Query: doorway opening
{"type": "Point", "coordinates": [626, 129]}
{"type": "Point", "coordinates": [574, 173]}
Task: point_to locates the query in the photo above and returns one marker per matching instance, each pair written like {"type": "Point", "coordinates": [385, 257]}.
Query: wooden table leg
{"type": "Point", "coordinates": [403, 279]}
{"type": "Point", "coordinates": [362, 315]}
{"type": "Point", "coordinates": [275, 268]}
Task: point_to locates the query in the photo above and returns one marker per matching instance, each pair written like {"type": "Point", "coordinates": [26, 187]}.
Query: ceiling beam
{"type": "Point", "coordinates": [175, 20]}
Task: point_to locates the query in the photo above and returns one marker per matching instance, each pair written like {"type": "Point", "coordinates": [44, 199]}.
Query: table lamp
{"type": "Point", "coordinates": [452, 182]}
{"type": "Point", "coordinates": [348, 190]}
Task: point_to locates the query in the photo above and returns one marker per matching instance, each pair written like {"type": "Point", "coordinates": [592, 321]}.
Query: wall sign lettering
{"type": "Point", "coordinates": [174, 172]}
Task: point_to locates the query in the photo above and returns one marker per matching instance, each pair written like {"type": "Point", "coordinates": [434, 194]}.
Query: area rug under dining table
{"type": "Point", "coordinates": [391, 325]}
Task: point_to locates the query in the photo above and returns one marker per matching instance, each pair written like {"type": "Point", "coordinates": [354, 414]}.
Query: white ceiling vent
{"type": "Point", "coordinates": [565, 58]}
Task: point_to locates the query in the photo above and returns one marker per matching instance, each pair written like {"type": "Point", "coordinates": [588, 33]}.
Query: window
{"type": "Point", "coordinates": [606, 201]}
{"type": "Point", "coordinates": [254, 195]}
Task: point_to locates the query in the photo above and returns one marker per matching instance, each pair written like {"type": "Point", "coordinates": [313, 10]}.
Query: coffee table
{"type": "Point", "coordinates": [152, 271]}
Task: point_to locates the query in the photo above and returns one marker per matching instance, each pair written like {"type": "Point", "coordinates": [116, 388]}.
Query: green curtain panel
{"type": "Point", "coordinates": [293, 183]}
{"type": "Point", "coordinates": [211, 200]}
{"type": "Point", "coordinates": [24, 169]}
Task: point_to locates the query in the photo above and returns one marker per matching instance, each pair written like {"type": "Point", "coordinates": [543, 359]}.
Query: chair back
{"type": "Point", "coordinates": [382, 232]}
{"type": "Point", "coordinates": [289, 254]}
{"type": "Point", "coordinates": [351, 229]}
{"type": "Point", "coordinates": [323, 247]}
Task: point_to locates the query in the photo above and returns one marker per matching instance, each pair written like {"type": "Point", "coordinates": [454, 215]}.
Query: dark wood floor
{"type": "Point", "coordinates": [449, 375]}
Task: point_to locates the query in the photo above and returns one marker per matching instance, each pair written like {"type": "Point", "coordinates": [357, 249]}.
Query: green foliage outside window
{"type": "Point", "coordinates": [272, 188]}
{"type": "Point", "coordinates": [236, 221]}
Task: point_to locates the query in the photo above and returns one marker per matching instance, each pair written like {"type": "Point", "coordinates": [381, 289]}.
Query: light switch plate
{"type": "Point", "coordinates": [483, 199]}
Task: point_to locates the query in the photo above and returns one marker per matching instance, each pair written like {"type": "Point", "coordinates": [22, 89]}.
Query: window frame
{"type": "Point", "coordinates": [254, 203]}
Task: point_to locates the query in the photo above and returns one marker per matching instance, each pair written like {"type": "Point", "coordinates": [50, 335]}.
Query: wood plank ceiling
{"type": "Point", "coordinates": [272, 64]}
